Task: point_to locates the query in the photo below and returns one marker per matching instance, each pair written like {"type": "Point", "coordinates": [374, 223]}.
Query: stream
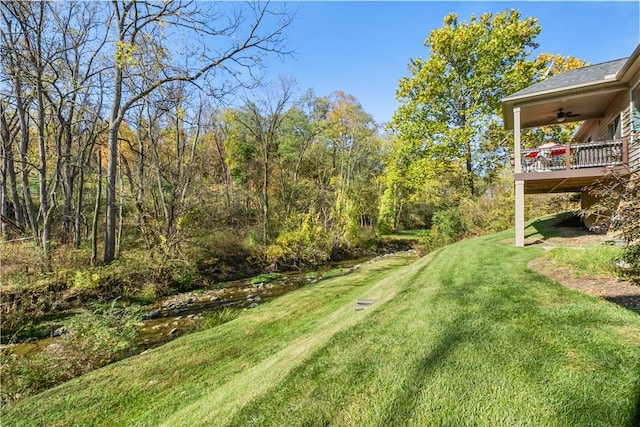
{"type": "Point", "coordinates": [172, 316]}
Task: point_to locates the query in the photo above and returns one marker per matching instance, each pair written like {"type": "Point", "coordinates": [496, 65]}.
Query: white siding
{"type": "Point", "coordinates": [634, 137]}
{"type": "Point", "coordinates": [598, 130]}
{"type": "Point", "coordinates": [634, 152]}
{"type": "Point", "coordinates": [619, 105]}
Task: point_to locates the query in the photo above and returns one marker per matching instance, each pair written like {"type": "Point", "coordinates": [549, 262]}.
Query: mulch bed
{"type": "Point", "coordinates": [623, 293]}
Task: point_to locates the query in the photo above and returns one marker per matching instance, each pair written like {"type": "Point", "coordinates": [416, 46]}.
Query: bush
{"type": "Point", "coordinates": [218, 318]}
{"type": "Point", "coordinates": [306, 244]}
{"type": "Point", "coordinates": [618, 210]}
{"type": "Point", "coordinates": [93, 340]}
{"type": "Point", "coordinates": [266, 278]}
{"type": "Point", "coordinates": [447, 226]}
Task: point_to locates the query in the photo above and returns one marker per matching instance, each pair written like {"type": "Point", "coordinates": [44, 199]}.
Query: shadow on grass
{"type": "Point", "coordinates": [403, 405]}
{"type": "Point", "coordinates": [567, 224]}
{"type": "Point", "coordinates": [630, 302]}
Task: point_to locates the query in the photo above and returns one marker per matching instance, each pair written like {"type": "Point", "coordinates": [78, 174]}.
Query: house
{"type": "Point", "coordinates": [606, 98]}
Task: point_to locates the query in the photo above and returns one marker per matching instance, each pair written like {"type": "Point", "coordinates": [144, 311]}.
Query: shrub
{"type": "Point", "coordinates": [618, 210]}
{"type": "Point", "coordinates": [266, 278]}
{"type": "Point", "coordinates": [218, 318]}
{"type": "Point", "coordinates": [306, 244]}
{"type": "Point", "coordinates": [93, 340]}
{"type": "Point", "coordinates": [84, 279]}
{"type": "Point", "coordinates": [447, 226]}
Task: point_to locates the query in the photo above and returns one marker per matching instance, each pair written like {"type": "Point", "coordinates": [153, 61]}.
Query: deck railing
{"type": "Point", "coordinates": [575, 156]}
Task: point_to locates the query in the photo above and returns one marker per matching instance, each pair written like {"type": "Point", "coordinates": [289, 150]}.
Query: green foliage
{"type": "Point", "coordinates": [447, 226]}
{"type": "Point", "coordinates": [84, 279]}
{"type": "Point", "coordinates": [588, 261]}
{"type": "Point", "coordinates": [454, 95]}
{"type": "Point", "coordinates": [217, 318]}
{"type": "Point", "coordinates": [493, 210]}
{"type": "Point", "coordinates": [630, 268]}
{"type": "Point", "coordinates": [266, 278]}
{"type": "Point", "coordinates": [93, 340]}
{"type": "Point", "coordinates": [618, 210]}
{"type": "Point", "coordinates": [449, 223]}
{"type": "Point", "coordinates": [306, 244]}
{"type": "Point", "coordinates": [184, 275]}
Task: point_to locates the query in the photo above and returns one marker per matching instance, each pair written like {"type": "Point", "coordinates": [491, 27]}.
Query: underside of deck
{"type": "Point", "coordinates": [565, 181]}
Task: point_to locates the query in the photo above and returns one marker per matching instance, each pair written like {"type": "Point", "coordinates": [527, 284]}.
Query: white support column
{"type": "Point", "coordinates": [519, 185]}
{"type": "Point", "coordinates": [520, 213]}
{"type": "Point", "coordinates": [516, 140]}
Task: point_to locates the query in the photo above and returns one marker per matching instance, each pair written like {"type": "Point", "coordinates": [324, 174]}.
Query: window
{"type": "Point", "coordinates": [615, 132]}
{"type": "Point", "coordinates": [635, 109]}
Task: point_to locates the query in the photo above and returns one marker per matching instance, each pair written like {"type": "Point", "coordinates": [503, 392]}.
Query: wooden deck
{"type": "Point", "coordinates": [571, 167]}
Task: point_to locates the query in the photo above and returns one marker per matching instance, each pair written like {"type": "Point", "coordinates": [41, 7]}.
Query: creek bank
{"type": "Point", "coordinates": [175, 315]}
{"type": "Point", "coordinates": [169, 317]}
{"type": "Point", "coordinates": [36, 311]}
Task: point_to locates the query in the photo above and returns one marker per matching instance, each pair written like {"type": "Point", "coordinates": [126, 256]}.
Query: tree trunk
{"type": "Point", "coordinates": [469, 166]}
{"type": "Point", "coordinates": [120, 213]}
{"type": "Point", "coordinates": [4, 202]}
{"type": "Point", "coordinates": [13, 187]}
{"type": "Point", "coordinates": [68, 180]}
{"type": "Point", "coordinates": [77, 233]}
{"type": "Point", "coordinates": [23, 118]}
{"type": "Point", "coordinates": [114, 126]}
{"type": "Point", "coordinates": [96, 212]}
{"type": "Point", "coordinates": [140, 192]}
{"type": "Point", "coordinates": [9, 172]}
{"type": "Point", "coordinates": [224, 170]}
{"type": "Point", "coordinates": [265, 195]}
{"type": "Point", "coordinates": [42, 148]}
{"type": "Point", "coordinates": [110, 225]}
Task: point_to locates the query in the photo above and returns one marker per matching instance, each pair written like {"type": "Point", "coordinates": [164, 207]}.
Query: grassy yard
{"type": "Point", "coordinates": [465, 336]}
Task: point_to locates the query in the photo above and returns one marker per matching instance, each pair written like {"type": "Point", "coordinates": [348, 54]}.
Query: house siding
{"type": "Point", "coordinates": [598, 130]}
{"type": "Point", "coordinates": [634, 134]}
{"type": "Point", "coordinates": [634, 152]}
{"type": "Point", "coordinates": [620, 105]}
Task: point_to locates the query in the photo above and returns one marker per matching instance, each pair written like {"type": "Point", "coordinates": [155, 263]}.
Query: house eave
{"type": "Point", "coordinates": [630, 67]}
{"type": "Point", "coordinates": [557, 95]}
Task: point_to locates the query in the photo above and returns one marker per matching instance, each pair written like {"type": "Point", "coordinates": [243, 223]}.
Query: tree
{"type": "Point", "coordinates": [29, 61]}
{"type": "Point", "coordinates": [495, 150]}
{"type": "Point", "coordinates": [262, 120]}
{"type": "Point", "coordinates": [49, 61]}
{"type": "Point", "coordinates": [142, 61]}
{"type": "Point", "coordinates": [617, 209]}
{"type": "Point", "coordinates": [301, 126]}
{"type": "Point", "coordinates": [453, 96]}
{"type": "Point", "coordinates": [355, 157]}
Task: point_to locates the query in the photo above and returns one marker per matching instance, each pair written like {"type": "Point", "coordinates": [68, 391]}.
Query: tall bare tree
{"type": "Point", "coordinates": [136, 23]}
{"type": "Point", "coordinates": [263, 120]}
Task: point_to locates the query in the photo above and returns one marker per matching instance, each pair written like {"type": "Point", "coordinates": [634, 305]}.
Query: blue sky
{"type": "Point", "coordinates": [363, 48]}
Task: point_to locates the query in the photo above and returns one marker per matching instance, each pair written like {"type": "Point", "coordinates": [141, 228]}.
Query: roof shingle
{"type": "Point", "coordinates": [578, 77]}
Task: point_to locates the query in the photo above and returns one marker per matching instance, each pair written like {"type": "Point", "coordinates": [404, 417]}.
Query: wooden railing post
{"type": "Point", "coordinates": [625, 150]}
{"type": "Point", "coordinates": [567, 156]}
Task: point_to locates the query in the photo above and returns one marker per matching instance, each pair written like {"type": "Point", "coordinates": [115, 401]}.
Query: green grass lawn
{"type": "Point", "coordinates": [465, 336]}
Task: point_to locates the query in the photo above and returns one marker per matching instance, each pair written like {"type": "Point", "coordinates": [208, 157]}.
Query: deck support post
{"type": "Point", "coordinates": [517, 153]}
{"type": "Point", "coordinates": [519, 214]}
{"type": "Point", "coordinates": [519, 185]}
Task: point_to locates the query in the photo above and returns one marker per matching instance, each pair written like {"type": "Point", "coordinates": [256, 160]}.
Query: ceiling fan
{"type": "Point", "coordinates": [562, 115]}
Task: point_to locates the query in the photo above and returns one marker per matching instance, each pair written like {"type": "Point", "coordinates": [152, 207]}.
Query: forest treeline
{"type": "Point", "coordinates": [144, 129]}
